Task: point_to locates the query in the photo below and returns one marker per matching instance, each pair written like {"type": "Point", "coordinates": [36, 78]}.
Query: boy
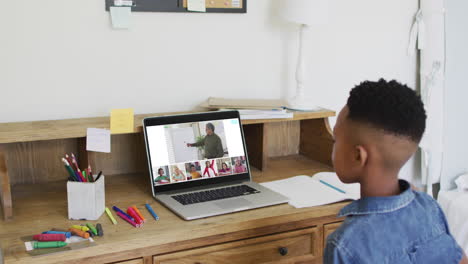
{"type": "Point", "coordinates": [376, 133]}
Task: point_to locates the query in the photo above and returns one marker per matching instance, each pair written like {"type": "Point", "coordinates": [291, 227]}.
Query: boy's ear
{"type": "Point", "coordinates": [361, 155]}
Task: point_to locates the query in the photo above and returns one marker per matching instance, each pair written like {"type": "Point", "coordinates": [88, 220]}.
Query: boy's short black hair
{"type": "Point", "coordinates": [390, 106]}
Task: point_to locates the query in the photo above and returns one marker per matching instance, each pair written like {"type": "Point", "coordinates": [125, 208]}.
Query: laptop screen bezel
{"type": "Point", "coordinates": [193, 118]}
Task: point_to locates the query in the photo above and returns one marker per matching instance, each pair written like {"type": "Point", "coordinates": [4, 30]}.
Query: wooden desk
{"type": "Point", "coordinates": [32, 184]}
{"type": "Point", "coordinates": [253, 236]}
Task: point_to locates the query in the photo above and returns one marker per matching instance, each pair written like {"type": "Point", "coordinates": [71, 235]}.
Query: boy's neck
{"type": "Point", "coordinates": [380, 184]}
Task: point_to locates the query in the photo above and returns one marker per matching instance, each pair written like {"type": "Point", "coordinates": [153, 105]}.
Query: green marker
{"type": "Point", "coordinates": [92, 228]}
{"type": "Point", "coordinates": [51, 244]}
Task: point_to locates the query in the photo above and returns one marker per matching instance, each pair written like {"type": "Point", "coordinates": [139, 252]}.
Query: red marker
{"type": "Point", "coordinates": [49, 237]}
{"type": "Point", "coordinates": [127, 219]}
{"type": "Point", "coordinates": [135, 216]}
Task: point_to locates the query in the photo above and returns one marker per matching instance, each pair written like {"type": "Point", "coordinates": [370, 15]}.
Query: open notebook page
{"type": "Point", "coordinates": [306, 191]}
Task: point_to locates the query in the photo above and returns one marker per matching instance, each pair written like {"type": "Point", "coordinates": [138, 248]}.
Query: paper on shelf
{"type": "Point", "coordinates": [98, 140]}
{"type": "Point", "coordinates": [306, 191]}
{"type": "Point", "coordinates": [122, 121]}
{"type": "Point", "coordinates": [196, 5]}
{"type": "Point", "coordinates": [120, 16]}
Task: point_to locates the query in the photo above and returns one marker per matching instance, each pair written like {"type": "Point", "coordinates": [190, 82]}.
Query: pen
{"type": "Point", "coordinates": [333, 187]}
{"type": "Point", "coordinates": [130, 221]}
{"type": "Point", "coordinates": [99, 175]}
{"type": "Point", "coordinates": [117, 210]}
{"type": "Point", "coordinates": [156, 217]}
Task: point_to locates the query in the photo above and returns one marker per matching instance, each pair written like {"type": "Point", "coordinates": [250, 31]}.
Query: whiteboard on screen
{"type": "Point", "coordinates": [180, 137]}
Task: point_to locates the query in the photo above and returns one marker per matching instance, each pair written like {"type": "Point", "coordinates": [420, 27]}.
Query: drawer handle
{"type": "Point", "coordinates": [283, 251]}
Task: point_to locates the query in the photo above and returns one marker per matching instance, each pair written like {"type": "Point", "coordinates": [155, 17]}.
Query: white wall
{"type": "Point", "coordinates": [61, 59]}
{"type": "Point", "coordinates": [456, 93]}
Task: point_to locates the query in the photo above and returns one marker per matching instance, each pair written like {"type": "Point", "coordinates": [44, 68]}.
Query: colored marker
{"type": "Point", "coordinates": [90, 172]}
{"type": "Point", "coordinates": [109, 213]}
{"type": "Point", "coordinates": [333, 187]}
{"type": "Point", "coordinates": [49, 237]}
{"type": "Point", "coordinates": [92, 228]}
{"type": "Point", "coordinates": [84, 175]}
{"type": "Point", "coordinates": [156, 217]}
{"type": "Point", "coordinates": [55, 244]}
{"type": "Point", "coordinates": [124, 217]}
{"type": "Point", "coordinates": [77, 175]}
{"type": "Point", "coordinates": [82, 228]}
{"type": "Point", "coordinates": [67, 234]}
{"type": "Point", "coordinates": [100, 230]}
{"type": "Point", "coordinates": [117, 210]}
{"type": "Point", "coordinates": [79, 232]}
{"type": "Point", "coordinates": [135, 216]}
{"type": "Point", "coordinates": [139, 214]}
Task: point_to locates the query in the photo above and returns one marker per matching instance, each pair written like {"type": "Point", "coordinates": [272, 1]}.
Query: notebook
{"type": "Point", "coordinates": [307, 191]}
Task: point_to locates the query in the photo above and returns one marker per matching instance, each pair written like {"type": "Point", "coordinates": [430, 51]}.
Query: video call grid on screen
{"type": "Point", "coordinates": [196, 150]}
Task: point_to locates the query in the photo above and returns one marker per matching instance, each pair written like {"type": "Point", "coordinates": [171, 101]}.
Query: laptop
{"type": "Point", "coordinates": [199, 166]}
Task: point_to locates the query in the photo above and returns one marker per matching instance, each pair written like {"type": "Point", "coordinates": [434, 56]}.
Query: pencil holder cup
{"type": "Point", "coordinates": [86, 200]}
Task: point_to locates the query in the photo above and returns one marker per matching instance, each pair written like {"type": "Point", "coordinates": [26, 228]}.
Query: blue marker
{"type": "Point", "coordinates": [156, 217]}
{"type": "Point", "coordinates": [333, 187]}
{"type": "Point", "coordinates": [122, 212]}
{"type": "Point", "coordinates": [67, 234]}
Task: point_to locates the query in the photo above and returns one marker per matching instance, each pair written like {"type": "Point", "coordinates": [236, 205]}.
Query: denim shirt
{"type": "Point", "coordinates": [406, 228]}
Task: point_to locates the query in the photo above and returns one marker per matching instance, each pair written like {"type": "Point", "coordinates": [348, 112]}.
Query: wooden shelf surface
{"type": "Point", "coordinates": [44, 206]}
{"type": "Point", "coordinates": [76, 128]}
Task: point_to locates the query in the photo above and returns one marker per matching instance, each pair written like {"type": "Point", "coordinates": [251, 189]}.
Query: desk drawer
{"type": "Point", "coordinates": [133, 261]}
{"type": "Point", "coordinates": [328, 229]}
{"type": "Point", "coordinates": [304, 243]}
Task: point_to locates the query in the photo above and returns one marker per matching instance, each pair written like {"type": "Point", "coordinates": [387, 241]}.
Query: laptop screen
{"type": "Point", "coordinates": [208, 147]}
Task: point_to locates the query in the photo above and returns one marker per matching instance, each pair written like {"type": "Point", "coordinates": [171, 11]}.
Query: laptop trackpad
{"type": "Point", "coordinates": [239, 203]}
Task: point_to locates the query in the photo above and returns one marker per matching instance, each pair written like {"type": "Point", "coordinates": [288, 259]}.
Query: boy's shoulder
{"type": "Point", "coordinates": [388, 228]}
{"type": "Point", "coordinates": [417, 206]}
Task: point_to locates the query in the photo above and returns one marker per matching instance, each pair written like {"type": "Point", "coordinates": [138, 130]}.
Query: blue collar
{"type": "Point", "coordinates": [376, 205]}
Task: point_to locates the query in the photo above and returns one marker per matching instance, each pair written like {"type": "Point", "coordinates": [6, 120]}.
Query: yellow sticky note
{"type": "Point", "coordinates": [122, 121]}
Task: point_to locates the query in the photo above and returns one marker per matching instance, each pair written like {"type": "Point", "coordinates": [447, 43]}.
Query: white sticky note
{"type": "Point", "coordinates": [120, 16]}
{"type": "Point", "coordinates": [98, 140]}
{"type": "Point", "coordinates": [196, 5]}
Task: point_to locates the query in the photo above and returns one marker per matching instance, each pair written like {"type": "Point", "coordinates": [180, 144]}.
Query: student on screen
{"type": "Point", "coordinates": [209, 169]}
{"type": "Point", "coordinates": [193, 171]}
{"type": "Point", "coordinates": [161, 179]}
{"type": "Point", "coordinates": [238, 166]}
{"type": "Point", "coordinates": [177, 174]}
{"type": "Point", "coordinates": [211, 142]}
{"type": "Point", "coordinates": [225, 170]}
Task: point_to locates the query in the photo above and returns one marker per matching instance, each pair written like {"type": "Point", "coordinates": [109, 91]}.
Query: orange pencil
{"type": "Point", "coordinates": [139, 214]}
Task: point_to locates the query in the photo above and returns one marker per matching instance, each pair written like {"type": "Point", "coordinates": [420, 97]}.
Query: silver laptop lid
{"type": "Point", "coordinates": [190, 150]}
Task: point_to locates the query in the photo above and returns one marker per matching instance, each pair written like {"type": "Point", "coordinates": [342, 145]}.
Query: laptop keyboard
{"type": "Point", "coordinates": [215, 194]}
